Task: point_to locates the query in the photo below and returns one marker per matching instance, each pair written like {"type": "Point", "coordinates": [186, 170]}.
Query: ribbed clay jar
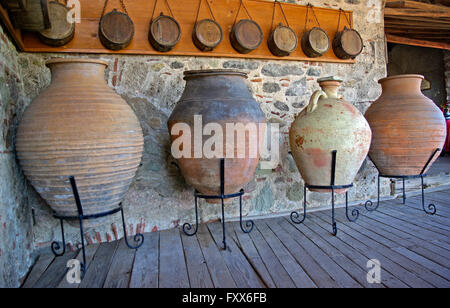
{"type": "Point", "coordinates": [407, 127]}
{"type": "Point", "coordinates": [220, 97]}
{"type": "Point", "coordinates": [329, 123]}
{"type": "Point", "coordinates": [80, 127]}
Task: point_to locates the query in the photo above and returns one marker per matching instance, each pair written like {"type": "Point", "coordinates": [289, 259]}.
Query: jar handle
{"type": "Point", "coordinates": [314, 100]}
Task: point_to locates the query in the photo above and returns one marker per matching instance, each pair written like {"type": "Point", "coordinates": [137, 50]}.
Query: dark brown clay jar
{"type": "Point", "coordinates": [407, 127]}
{"type": "Point", "coordinates": [218, 96]}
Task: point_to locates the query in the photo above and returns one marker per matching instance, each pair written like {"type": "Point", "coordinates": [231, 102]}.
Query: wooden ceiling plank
{"type": "Point", "coordinates": [15, 34]}
{"type": "Point", "coordinates": [414, 5]}
{"type": "Point", "coordinates": [390, 12]}
{"type": "Point", "coordinates": [421, 20]}
{"type": "Point", "coordinates": [414, 42]}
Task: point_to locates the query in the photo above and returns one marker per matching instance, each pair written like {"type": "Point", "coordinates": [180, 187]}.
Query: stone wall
{"type": "Point", "coordinates": [427, 62]}
{"type": "Point", "coordinates": [16, 240]}
{"type": "Point", "coordinates": [159, 197]}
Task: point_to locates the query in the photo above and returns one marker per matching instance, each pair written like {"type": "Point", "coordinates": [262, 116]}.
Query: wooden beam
{"type": "Point", "coordinates": [414, 5]}
{"type": "Point", "coordinates": [413, 42]}
{"type": "Point", "coordinates": [419, 20]}
{"type": "Point", "coordinates": [15, 34]}
{"type": "Point", "coordinates": [394, 12]}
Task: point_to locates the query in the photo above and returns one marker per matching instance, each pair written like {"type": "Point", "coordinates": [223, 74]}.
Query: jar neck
{"type": "Point", "coordinates": [331, 88]}
{"type": "Point", "coordinates": [215, 87]}
{"type": "Point", "coordinates": [402, 85]}
{"type": "Point", "coordinates": [77, 73]}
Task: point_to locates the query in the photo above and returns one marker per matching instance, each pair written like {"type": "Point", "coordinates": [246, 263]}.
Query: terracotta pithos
{"type": "Point", "coordinates": [79, 127]}
{"type": "Point", "coordinates": [329, 123]}
{"type": "Point", "coordinates": [407, 127]}
{"type": "Point", "coordinates": [221, 97]}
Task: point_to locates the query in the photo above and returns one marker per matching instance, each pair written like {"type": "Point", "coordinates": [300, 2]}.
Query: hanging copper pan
{"type": "Point", "coordinates": [14, 5]}
{"type": "Point", "coordinates": [315, 42]}
{"type": "Point", "coordinates": [165, 31]}
{"type": "Point", "coordinates": [207, 33]}
{"type": "Point", "coordinates": [34, 18]}
{"type": "Point", "coordinates": [246, 35]}
{"type": "Point", "coordinates": [116, 29]}
{"type": "Point", "coordinates": [347, 44]}
{"type": "Point", "coordinates": [61, 31]}
{"type": "Point", "coordinates": [282, 40]}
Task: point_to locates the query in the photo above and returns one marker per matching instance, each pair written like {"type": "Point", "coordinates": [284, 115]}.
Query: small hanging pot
{"type": "Point", "coordinates": [61, 31]}
{"type": "Point", "coordinates": [14, 5]}
{"type": "Point", "coordinates": [207, 33]}
{"type": "Point", "coordinates": [165, 31]}
{"type": "Point", "coordinates": [283, 40]}
{"type": "Point", "coordinates": [116, 29]}
{"type": "Point", "coordinates": [246, 35]}
{"type": "Point", "coordinates": [34, 18]}
{"type": "Point", "coordinates": [347, 44]}
{"type": "Point", "coordinates": [315, 42]}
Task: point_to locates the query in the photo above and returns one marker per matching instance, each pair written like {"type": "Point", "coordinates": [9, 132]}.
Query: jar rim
{"type": "Point", "coordinates": [401, 77]}
{"type": "Point", "coordinates": [213, 72]}
{"type": "Point", "coordinates": [75, 60]}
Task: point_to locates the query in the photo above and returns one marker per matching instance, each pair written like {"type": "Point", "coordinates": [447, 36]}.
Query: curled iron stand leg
{"type": "Point", "coordinates": [249, 224]}
{"type": "Point", "coordinates": [355, 212]}
{"type": "Point", "coordinates": [138, 238]}
{"type": "Point", "coordinates": [56, 246]}
{"type": "Point", "coordinates": [187, 227]}
{"type": "Point", "coordinates": [369, 204]}
{"type": "Point", "coordinates": [431, 207]}
{"type": "Point", "coordinates": [295, 215]}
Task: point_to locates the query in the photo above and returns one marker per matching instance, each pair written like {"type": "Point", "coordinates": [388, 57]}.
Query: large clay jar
{"type": "Point", "coordinates": [407, 127]}
{"type": "Point", "coordinates": [329, 123]}
{"type": "Point", "coordinates": [80, 127]}
{"type": "Point", "coordinates": [220, 97]}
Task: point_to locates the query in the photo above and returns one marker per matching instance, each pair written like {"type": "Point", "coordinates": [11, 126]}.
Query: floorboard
{"type": "Point", "coordinates": [41, 265]}
{"type": "Point", "coordinates": [296, 272]}
{"type": "Point", "coordinates": [217, 267]}
{"type": "Point", "coordinates": [172, 268]}
{"type": "Point", "coordinates": [145, 272]}
{"type": "Point", "coordinates": [98, 269]}
{"type": "Point", "coordinates": [199, 276]}
{"type": "Point", "coordinates": [90, 253]}
{"type": "Point", "coordinates": [251, 253]}
{"type": "Point", "coordinates": [120, 271]}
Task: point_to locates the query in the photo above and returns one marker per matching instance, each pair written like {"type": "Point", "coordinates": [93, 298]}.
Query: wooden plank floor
{"type": "Point", "coordinates": [412, 247]}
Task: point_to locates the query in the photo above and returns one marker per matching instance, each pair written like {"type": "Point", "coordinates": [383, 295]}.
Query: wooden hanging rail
{"type": "Point", "coordinates": [86, 35]}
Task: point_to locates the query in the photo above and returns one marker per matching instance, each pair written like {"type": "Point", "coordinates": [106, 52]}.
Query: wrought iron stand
{"type": "Point", "coordinates": [355, 213]}
{"type": "Point", "coordinates": [138, 238]}
{"type": "Point", "coordinates": [431, 207]}
{"type": "Point", "coordinates": [189, 230]}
